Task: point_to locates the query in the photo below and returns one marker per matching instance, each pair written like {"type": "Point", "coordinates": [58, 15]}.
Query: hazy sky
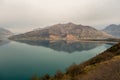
{"type": "Point", "coordinates": [25, 15]}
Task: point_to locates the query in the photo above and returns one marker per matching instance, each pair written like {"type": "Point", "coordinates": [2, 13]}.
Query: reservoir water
{"type": "Point", "coordinates": [21, 60]}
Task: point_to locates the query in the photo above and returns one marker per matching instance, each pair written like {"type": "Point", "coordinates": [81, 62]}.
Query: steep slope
{"type": "Point", "coordinates": [113, 30]}
{"type": "Point", "coordinates": [5, 33]}
{"type": "Point", "coordinates": [105, 66]}
{"type": "Point", "coordinates": [69, 31]}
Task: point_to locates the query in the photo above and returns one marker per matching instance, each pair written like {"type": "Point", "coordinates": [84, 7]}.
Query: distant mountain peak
{"type": "Point", "coordinates": [70, 23]}
{"type": "Point", "coordinates": [113, 29]}
{"type": "Point", "coordinates": [65, 24]}
{"type": "Point", "coordinates": [113, 25]}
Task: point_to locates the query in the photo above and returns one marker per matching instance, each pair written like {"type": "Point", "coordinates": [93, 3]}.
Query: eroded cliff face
{"type": "Point", "coordinates": [69, 31]}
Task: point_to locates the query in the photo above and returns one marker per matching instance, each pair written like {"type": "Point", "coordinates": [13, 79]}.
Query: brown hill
{"type": "Point", "coordinates": [69, 31]}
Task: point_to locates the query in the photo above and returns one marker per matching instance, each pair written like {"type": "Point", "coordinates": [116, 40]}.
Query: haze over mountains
{"type": "Point", "coordinates": [68, 31]}
{"type": "Point", "coordinates": [113, 29]}
{"type": "Point", "coordinates": [5, 33]}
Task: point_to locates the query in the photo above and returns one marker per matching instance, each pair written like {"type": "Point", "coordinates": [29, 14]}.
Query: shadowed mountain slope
{"type": "Point", "coordinates": [113, 30]}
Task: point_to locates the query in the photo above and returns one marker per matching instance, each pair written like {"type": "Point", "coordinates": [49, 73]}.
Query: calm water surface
{"type": "Point", "coordinates": [21, 60]}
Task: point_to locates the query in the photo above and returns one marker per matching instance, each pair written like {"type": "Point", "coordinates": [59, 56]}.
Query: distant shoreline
{"type": "Point", "coordinates": [81, 40]}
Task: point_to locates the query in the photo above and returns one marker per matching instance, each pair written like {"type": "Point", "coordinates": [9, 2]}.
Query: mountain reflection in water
{"type": "Point", "coordinates": [65, 46]}
{"type": "Point", "coordinates": [19, 61]}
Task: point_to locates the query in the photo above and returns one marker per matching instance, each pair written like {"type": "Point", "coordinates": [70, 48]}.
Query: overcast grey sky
{"type": "Point", "coordinates": [25, 15]}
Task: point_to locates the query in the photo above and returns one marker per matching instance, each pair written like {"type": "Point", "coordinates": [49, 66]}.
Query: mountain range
{"type": "Point", "coordinates": [113, 29]}
{"type": "Point", "coordinates": [68, 31]}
